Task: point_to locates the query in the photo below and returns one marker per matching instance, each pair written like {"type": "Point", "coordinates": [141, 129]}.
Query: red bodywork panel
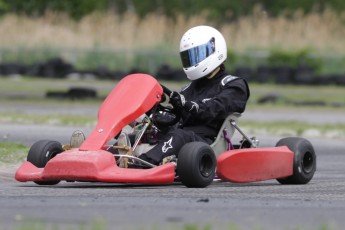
{"type": "Point", "coordinates": [255, 164]}
{"type": "Point", "coordinates": [75, 165]}
{"type": "Point", "coordinates": [133, 96]}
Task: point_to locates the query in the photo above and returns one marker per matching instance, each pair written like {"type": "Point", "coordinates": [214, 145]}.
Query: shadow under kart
{"type": "Point", "coordinates": [292, 161]}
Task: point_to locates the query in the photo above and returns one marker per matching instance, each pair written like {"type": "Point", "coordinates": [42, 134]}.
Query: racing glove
{"type": "Point", "coordinates": [179, 102]}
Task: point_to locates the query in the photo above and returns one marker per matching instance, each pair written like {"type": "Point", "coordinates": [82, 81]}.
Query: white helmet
{"type": "Point", "coordinates": [202, 50]}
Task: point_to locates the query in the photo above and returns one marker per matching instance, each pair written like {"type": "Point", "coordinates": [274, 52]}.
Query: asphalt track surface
{"type": "Point", "coordinates": [222, 205]}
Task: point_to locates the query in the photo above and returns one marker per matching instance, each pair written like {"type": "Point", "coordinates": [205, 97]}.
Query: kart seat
{"type": "Point", "coordinates": [226, 131]}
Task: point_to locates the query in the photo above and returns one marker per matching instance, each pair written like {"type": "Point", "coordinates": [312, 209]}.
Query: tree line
{"type": "Point", "coordinates": [218, 10]}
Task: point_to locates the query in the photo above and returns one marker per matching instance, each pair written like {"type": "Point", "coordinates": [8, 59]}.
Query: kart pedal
{"type": "Point", "coordinates": [77, 139]}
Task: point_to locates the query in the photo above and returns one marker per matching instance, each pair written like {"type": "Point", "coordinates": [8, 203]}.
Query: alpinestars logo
{"type": "Point", "coordinates": [194, 106]}
{"type": "Point", "coordinates": [167, 145]}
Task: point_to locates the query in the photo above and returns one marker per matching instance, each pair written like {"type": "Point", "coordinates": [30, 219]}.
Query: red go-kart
{"type": "Point", "coordinates": [124, 113]}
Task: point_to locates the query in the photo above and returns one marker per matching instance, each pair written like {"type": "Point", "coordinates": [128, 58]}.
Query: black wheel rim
{"type": "Point", "coordinates": [206, 165]}
{"type": "Point", "coordinates": [308, 162]}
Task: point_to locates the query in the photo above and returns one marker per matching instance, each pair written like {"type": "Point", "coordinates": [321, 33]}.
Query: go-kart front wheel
{"type": "Point", "coordinates": [304, 163]}
{"type": "Point", "coordinates": [196, 165]}
{"type": "Point", "coordinates": [41, 152]}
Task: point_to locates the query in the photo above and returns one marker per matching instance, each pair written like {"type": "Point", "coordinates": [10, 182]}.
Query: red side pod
{"type": "Point", "coordinates": [133, 96]}
{"type": "Point", "coordinates": [255, 164]}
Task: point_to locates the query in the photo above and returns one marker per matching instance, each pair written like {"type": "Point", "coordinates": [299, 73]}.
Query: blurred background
{"type": "Point", "coordinates": [269, 41]}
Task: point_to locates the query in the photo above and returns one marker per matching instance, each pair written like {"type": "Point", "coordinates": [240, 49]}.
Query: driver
{"type": "Point", "coordinates": [207, 100]}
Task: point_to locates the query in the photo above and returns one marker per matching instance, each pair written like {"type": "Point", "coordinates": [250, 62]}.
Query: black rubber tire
{"type": "Point", "coordinates": [304, 164]}
{"type": "Point", "coordinates": [196, 165]}
{"type": "Point", "coordinates": [41, 152]}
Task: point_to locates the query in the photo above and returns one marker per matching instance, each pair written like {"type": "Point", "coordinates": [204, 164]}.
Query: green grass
{"type": "Point", "coordinates": [73, 120]}
{"type": "Point", "coordinates": [297, 93]}
{"type": "Point", "coordinates": [284, 128]}
{"type": "Point", "coordinates": [37, 87]}
{"type": "Point", "coordinates": [12, 152]}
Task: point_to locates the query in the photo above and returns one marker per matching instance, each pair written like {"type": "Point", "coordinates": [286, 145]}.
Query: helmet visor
{"type": "Point", "coordinates": [197, 54]}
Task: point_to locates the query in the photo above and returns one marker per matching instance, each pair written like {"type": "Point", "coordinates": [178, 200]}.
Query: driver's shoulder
{"type": "Point", "coordinates": [228, 79]}
{"type": "Point", "coordinates": [184, 88]}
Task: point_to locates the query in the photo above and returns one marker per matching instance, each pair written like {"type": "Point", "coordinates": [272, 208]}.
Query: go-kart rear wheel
{"type": "Point", "coordinates": [304, 163]}
{"type": "Point", "coordinates": [196, 165]}
{"type": "Point", "coordinates": [41, 152]}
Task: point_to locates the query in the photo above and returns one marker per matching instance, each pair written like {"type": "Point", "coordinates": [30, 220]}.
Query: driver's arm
{"type": "Point", "coordinates": [232, 98]}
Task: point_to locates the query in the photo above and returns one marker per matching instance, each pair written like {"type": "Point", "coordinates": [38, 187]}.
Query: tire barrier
{"type": "Point", "coordinates": [58, 68]}
{"type": "Point", "coordinates": [74, 93]}
{"type": "Point", "coordinates": [272, 98]}
{"type": "Point", "coordinates": [53, 68]}
{"type": "Point", "coordinates": [301, 75]}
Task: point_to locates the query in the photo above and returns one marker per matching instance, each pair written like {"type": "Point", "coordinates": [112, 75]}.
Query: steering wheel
{"type": "Point", "coordinates": [165, 114]}
{"type": "Point", "coordinates": [166, 90]}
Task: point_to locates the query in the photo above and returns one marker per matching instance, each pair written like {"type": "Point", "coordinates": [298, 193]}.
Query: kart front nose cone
{"type": "Point", "coordinates": [100, 165]}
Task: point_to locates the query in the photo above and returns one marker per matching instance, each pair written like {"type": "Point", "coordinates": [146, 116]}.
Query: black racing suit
{"type": "Point", "coordinates": [217, 98]}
